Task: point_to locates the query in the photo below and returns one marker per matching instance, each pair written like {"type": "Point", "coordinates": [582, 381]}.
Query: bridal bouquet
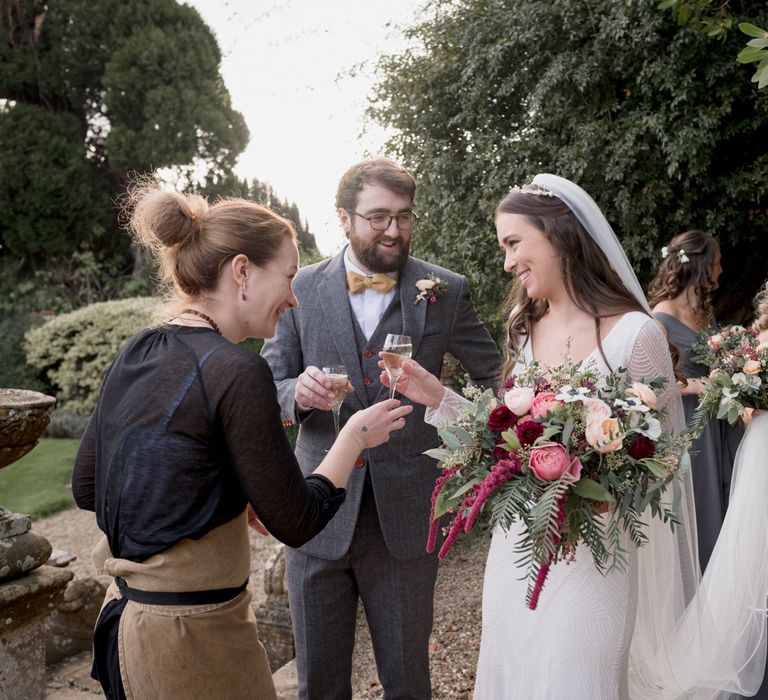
{"type": "Point", "coordinates": [555, 452]}
{"type": "Point", "coordinates": [738, 377]}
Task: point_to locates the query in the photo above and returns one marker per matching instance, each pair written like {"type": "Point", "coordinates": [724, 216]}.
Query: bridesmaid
{"type": "Point", "coordinates": [681, 299]}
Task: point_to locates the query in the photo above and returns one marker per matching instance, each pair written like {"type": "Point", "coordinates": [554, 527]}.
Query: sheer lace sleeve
{"type": "Point", "coordinates": [651, 358]}
{"type": "Point", "coordinates": [449, 408]}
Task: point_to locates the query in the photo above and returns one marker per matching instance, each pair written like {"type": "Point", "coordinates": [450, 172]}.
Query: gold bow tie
{"type": "Point", "coordinates": [380, 282]}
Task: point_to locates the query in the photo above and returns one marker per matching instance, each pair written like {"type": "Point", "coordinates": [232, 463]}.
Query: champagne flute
{"type": "Point", "coordinates": [338, 377]}
{"type": "Point", "coordinates": [397, 348]}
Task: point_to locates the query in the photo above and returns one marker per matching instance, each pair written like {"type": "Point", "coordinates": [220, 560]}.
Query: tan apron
{"type": "Point", "coordinates": [196, 651]}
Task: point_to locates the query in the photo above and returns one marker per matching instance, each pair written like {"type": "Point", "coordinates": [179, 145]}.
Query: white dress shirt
{"type": "Point", "coordinates": [369, 305]}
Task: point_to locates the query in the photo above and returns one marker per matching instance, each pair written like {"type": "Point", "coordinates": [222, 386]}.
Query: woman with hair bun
{"type": "Point", "coordinates": [185, 440]}
{"type": "Point", "coordinates": [681, 298]}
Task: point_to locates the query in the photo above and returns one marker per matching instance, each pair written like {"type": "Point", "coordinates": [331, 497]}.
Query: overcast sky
{"type": "Point", "coordinates": [286, 64]}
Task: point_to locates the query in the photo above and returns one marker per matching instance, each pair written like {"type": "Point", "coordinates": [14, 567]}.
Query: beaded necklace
{"type": "Point", "coordinates": [205, 317]}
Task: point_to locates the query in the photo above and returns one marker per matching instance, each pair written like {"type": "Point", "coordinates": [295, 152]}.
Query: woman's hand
{"type": "Point", "coordinates": [416, 384]}
{"type": "Point", "coordinates": [693, 387]}
{"type": "Point", "coordinates": [372, 426]}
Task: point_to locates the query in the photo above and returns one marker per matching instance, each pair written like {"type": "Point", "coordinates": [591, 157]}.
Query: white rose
{"type": "Point", "coordinates": [519, 400]}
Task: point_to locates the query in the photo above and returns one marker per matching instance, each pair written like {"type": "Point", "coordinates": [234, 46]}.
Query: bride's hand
{"type": "Point", "coordinates": [416, 384]}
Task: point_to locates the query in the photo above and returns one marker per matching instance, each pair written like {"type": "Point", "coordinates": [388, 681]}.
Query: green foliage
{"type": "Point", "coordinates": [14, 370]}
{"type": "Point", "coordinates": [263, 193]}
{"type": "Point", "coordinates": [39, 483]}
{"type": "Point", "coordinates": [89, 93]}
{"type": "Point", "coordinates": [50, 196]}
{"type": "Point", "coordinates": [716, 19]}
{"type": "Point", "coordinates": [756, 52]}
{"type": "Point", "coordinates": [74, 349]}
{"type": "Point", "coordinates": [655, 121]}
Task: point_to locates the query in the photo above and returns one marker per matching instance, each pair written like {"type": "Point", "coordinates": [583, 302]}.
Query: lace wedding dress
{"type": "Point", "coordinates": [657, 631]}
{"type": "Point", "coordinates": [576, 643]}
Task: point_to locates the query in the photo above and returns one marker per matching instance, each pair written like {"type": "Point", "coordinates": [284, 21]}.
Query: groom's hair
{"type": "Point", "coordinates": [589, 279]}
{"type": "Point", "coordinates": [375, 171]}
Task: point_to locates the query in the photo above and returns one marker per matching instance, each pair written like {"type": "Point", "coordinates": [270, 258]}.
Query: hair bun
{"type": "Point", "coordinates": [162, 218]}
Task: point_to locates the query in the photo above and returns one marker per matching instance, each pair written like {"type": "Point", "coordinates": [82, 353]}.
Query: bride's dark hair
{"type": "Point", "coordinates": [590, 281]}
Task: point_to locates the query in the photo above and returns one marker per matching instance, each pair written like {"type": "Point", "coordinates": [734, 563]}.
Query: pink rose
{"type": "Point", "coordinates": [604, 435]}
{"type": "Point", "coordinates": [519, 399]}
{"type": "Point", "coordinates": [642, 392]}
{"type": "Point", "coordinates": [751, 367]}
{"type": "Point", "coordinates": [543, 403]}
{"type": "Point", "coordinates": [550, 462]}
{"type": "Point", "coordinates": [714, 341]}
{"type": "Point", "coordinates": [595, 409]}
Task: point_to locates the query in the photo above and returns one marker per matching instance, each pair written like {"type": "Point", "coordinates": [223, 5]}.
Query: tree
{"type": "Point", "coordinates": [90, 92]}
{"type": "Point", "coordinates": [715, 19]}
{"type": "Point", "coordinates": [659, 124]}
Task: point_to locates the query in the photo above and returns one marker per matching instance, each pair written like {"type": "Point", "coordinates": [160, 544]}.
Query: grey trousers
{"type": "Point", "coordinates": [397, 597]}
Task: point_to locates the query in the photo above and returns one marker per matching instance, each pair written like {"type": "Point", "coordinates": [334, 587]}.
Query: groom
{"type": "Point", "coordinates": [374, 548]}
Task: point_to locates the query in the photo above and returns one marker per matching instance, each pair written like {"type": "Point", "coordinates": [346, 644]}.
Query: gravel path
{"type": "Point", "coordinates": [456, 635]}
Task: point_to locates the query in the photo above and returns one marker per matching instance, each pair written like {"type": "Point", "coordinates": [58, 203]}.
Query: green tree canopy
{"type": "Point", "coordinates": [90, 91]}
{"type": "Point", "coordinates": [658, 123]}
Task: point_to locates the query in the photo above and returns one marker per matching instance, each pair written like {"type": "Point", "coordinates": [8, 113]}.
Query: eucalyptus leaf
{"type": "Point", "coordinates": [752, 30]}
{"type": "Point", "coordinates": [438, 453]}
{"type": "Point", "coordinates": [450, 440]}
{"type": "Point", "coordinates": [587, 488]}
{"type": "Point", "coordinates": [511, 439]}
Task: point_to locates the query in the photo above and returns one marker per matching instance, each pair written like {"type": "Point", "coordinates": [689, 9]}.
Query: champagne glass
{"type": "Point", "coordinates": [397, 349]}
{"type": "Point", "coordinates": [338, 377]}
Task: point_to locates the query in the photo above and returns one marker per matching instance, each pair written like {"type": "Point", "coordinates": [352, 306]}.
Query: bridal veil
{"type": "Point", "coordinates": [694, 638]}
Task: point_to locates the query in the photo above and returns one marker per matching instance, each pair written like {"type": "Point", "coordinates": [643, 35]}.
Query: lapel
{"type": "Point", "coordinates": [414, 315]}
{"type": "Point", "coordinates": [332, 289]}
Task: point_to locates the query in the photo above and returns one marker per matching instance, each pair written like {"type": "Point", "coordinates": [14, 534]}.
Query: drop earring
{"type": "Point", "coordinates": [243, 295]}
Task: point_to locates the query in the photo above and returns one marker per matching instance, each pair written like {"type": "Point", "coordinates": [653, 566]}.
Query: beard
{"type": "Point", "coordinates": [371, 258]}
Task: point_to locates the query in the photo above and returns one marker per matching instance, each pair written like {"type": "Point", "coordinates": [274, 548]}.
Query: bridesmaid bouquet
{"type": "Point", "coordinates": [555, 452]}
{"type": "Point", "coordinates": [738, 377]}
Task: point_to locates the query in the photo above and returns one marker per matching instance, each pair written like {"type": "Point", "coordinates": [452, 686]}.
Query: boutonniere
{"type": "Point", "coordinates": [430, 289]}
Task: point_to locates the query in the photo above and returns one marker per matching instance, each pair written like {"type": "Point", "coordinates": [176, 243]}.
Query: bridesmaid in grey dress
{"type": "Point", "coordinates": [680, 296]}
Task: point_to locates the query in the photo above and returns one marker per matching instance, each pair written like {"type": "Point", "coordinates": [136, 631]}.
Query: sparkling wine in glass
{"type": "Point", "coordinates": [337, 375]}
{"type": "Point", "coordinates": [397, 349]}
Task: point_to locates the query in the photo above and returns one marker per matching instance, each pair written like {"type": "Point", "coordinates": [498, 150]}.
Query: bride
{"type": "Point", "coordinates": [649, 632]}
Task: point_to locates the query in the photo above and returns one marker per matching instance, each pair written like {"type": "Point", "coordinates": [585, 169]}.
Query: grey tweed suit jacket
{"type": "Point", "coordinates": [321, 332]}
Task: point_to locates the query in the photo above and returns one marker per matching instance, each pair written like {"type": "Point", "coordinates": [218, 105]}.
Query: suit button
{"type": "Point", "coordinates": [368, 353]}
{"type": "Point", "coordinates": [359, 462]}
{"type": "Point", "coordinates": [367, 381]}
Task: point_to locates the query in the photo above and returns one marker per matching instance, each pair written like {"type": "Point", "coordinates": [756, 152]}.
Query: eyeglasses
{"type": "Point", "coordinates": [381, 222]}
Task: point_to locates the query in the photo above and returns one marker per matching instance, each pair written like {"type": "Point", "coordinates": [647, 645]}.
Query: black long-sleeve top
{"type": "Point", "coordinates": [186, 431]}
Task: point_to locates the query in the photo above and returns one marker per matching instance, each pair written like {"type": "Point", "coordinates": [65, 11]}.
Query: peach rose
{"type": "Point", "coordinates": [752, 367]}
{"type": "Point", "coordinates": [425, 285]}
{"type": "Point", "coordinates": [714, 340]}
{"type": "Point", "coordinates": [550, 462]}
{"type": "Point", "coordinates": [595, 409]}
{"type": "Point", "coordinates": [604, 435]}
{"type": "Point", "coordinates": [642, 392]}
{"type": "Point", "coordinates": [519, 399]}
{"type": "Point", "coordinates": [544, 402]}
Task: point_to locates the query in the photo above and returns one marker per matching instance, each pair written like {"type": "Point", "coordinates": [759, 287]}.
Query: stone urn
{"type": "Point", "coordinates": [24, 416]}
{"type": "Point", "coordinates": [29, 591]}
